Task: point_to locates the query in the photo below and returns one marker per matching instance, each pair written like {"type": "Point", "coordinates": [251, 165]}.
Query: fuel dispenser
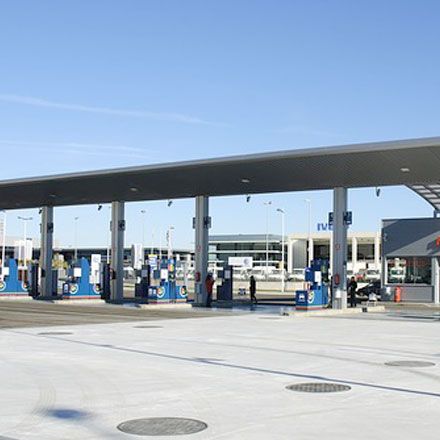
{"type": "Point", "coordinates": [143, 281]}
{"type": "Point", "coordinates": [79, 285]}
{"type": "Point", "coordinates": [34, 275]}
{"type": "Point", "coordinates": [167, 291]}
{"type": "Point", "coordinates": [225, 288]}
{"type": "Point", "coordinates": [315, 296]}
{"type": "Point", "coordinates": [11, 285]}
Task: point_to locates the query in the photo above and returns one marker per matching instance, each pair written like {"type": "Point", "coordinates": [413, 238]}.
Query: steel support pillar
{"type": "Point", "coordinates": [377, 252]}
{"type": "Point", "coordinates": [202, 224]}
{"type": "Point", "coordinates": [436, 279]}
{"type": "Point", "coordinates": [46, 252]}
{"type": "Point", "coordinates": [339, 255]}
{"type": "Point", "coordinates": [117, 261]}
{"type": "Point", "coordinates": [354, 255]}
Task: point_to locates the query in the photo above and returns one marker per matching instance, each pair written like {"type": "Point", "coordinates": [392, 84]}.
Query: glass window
{"type": "Point", "coordinates": [409, 270]}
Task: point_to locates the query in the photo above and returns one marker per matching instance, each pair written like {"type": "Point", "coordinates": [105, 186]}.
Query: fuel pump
{"type": "Point", "coordinates": [143, 282]}
{"type": "Point", "coordinates": [315, 296]}
{"type": "Point", "coordinates": [11, 285]}
{"type": "Point", "coordinates": [225, 288]}
{"type": "Point", "coordinates": [168, 291]}
{"type": "Point", "coordinates": [79, 285]}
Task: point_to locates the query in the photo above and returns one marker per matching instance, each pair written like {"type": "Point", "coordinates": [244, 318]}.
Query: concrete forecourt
{"type": "Point", "coordinates": [81, 372]}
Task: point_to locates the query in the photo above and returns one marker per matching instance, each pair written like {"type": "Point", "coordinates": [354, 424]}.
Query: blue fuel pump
{"type": "Point", "coordinates": [11, 285]}
{"type": "Point", "coordinates": [168, 290]}
{"type": "Point", "coordinates": [78, 285]}
{"type": "Point", "coordinates": [315, 296]}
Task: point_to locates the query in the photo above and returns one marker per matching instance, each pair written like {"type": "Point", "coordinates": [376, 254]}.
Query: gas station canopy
{"type": "Point", "coordinates": [414, 162]}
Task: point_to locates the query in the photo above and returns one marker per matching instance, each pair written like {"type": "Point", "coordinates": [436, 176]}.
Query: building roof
{"type": "Point", "coordinates": [430, 192]}
{"type": "Point", "coordinates": [403, 162]}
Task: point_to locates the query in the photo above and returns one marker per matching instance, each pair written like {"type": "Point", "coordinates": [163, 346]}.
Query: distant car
{"type": "Point", "coordinates": [373, 287]}
{"type": "Point", "coordinates": [372, 275]}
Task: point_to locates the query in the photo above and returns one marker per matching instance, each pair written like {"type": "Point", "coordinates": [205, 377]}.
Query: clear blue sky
{"type": "Point", "coordinates": [96, 84]}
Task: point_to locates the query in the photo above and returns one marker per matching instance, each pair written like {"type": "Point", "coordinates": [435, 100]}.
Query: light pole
{"type": "Point", "coordinates": [169, 242]}
{"type": "Point", "coordinates": [75, 238]}
{"type": "Point", "coordinates": [283, 276]}
{"type": "Point", "coordinates": [25, 220]}
{"type": "Point", "coordinates": [144, 213]}
{"type": "Point", "coordinates": [267, 204]}
{"type": "Point", "coordinates": [309, 232]}
{"type": "Point", "coordinates": [3, 245]}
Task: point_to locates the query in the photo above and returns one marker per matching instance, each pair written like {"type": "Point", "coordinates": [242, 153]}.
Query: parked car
{"type": "Point", "coordinates": [372, 275]}
{"type": "Point", "coordinates": [373, 287]}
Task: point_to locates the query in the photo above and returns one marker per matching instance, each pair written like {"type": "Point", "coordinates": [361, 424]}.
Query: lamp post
{"type": "Point", "coordinates": [267, 204]}
{"type": "Point", "coordinates": [309, 231]}
{"type": "Point", "coordinates": [169, 242]}
{"type": "Point", "coordinates": [75, 238]}
{"type": "Point", "coordinates": [25, 220]}
{"type": "Point", "coordinates": [144, 213]}
{"type": "Point", "coordinates": [283, 275]}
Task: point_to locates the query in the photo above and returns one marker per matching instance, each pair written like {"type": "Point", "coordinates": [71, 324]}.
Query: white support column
{"type": "Point", "coordinates": [46, 252]}
{"type": "Point", "coordinates": [117, 261]}
{"type": "Point", "coordinates": [330, 253]}
{"type": "Point", "coordinates": [202, 223]}
{"type": "Point", "coordinates": [339, 261]}
{"type": "Point", "coordinates": [436, 279]}
{"type": "Point", "coordinates": [377, 251]}
{"type": "Point", "coordinates": [311, 252]}
{"type": "Point", "coordinates": [354, 254]}
{"type": "Point", "coordinates": [290, 256]}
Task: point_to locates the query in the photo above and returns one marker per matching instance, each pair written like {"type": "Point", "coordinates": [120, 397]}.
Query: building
{"type": "Point", "coordinates": [264, 249]}
{"type": "Point", "coordinates": [364, 250]}
{"type": "Point", "coordinates": [410, 260]}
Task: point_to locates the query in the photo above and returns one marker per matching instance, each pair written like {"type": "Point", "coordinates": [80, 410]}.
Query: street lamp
{"type": "Point", "coordinates": [283, 277]}
{"type": "Point", "coordinates": [309, 233]}
{"type": "Point", "coordinates": [143, 212]}
{"type": "Point", "coordinates": [75, 238]}
{"type": "Point", "coordinates": [169, 242]}
{"type": "Point", "coordinates": [25, 220]}
{"type": "Point", "coordinates": [267, 204]}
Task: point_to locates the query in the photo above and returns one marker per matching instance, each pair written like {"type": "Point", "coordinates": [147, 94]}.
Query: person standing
{"type": "Point", "coordinates": [352, 287]}
{"type": "Point", "coordinates": [209, 284]}
{"type": "Point", "coordinates": [253, 289]}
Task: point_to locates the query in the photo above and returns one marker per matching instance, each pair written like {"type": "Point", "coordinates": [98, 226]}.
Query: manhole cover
{"type": "Point", "coordinates": [148, 326]}
{"type": "Point", "coordinates": [55, 333]}
{"type": "Point", "coordinates": [318, 387]}
{"type": "Point", "coordinates": [409, 364]}
{"type": "Point", "coordinates": [156, 426]}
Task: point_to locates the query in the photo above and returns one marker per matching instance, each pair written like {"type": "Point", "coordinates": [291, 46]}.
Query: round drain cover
{"type": "Point", "coordinates": [318, 387]}
{"type": "Point", "coordinates": [55, 333]}
{"type": "Point", "coordinates": [148, 326]}
{"type": "Point", "coordinates": [409, 364]}
{"type": "Point", "coordinates": [156, 426]}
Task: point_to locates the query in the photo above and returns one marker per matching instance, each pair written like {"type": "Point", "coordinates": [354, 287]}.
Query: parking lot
{"type": "Point", "coordinates": [80, 371]}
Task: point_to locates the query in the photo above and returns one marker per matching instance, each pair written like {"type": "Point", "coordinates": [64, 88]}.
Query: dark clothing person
{"type": "Point", "coordinates": [209, 284]}
{"type": "Point", "coordinates": [253, 289]}
{"type": "Point", "coordinates": [352, 287]}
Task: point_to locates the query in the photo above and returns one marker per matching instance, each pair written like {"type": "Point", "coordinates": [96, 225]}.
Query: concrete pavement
{"type": "Point", "coordinates": [229, 371]}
